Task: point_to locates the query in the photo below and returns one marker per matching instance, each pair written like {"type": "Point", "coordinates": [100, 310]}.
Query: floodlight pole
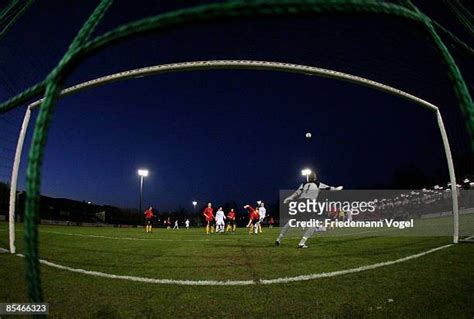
{"type": "Point", "coordinates": [14, 178]}
{"type": "Point", "coordinates": [142, 173]}
{"type": "Point", "coordinates": [142, 178]}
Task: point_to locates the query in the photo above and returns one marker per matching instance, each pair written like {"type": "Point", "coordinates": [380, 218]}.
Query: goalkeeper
{"type": "Point", "coordinates": [307, 191]}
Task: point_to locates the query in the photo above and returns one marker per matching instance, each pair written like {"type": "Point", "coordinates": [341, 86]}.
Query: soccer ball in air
{"type": "Point", "coordinates": [308, 135]}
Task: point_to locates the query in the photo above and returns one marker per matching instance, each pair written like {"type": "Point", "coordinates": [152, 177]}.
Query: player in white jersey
{"type": "Point", "coordinates": [220, 221]}
{"type": "Point", "coordinates": [349, 215]}
{"type": "Point", "coordinates": [309, 190]}
{"type": "Point", "coordinates": [176, 224]}
{"type": "Point", "coordinates": [262, 212]}
{"type": "Point", "coordinates": [187, 223]}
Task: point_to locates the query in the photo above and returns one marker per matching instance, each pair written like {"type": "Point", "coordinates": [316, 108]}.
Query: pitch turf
{"type": "Point", "coordinates": [437, 285]}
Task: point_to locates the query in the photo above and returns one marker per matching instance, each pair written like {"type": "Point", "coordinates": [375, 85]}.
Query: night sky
{"type": "Point", "coordinates": [235, 135]}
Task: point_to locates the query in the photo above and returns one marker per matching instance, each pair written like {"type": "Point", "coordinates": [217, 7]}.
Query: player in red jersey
{"type": "Point", "coordinates": [231, 221]}
{"type": "Point", "coordinates": [254, 219]}
{"type": "Point", "coordinates": [148, 219]}
{"type": "Point", "coordinates": [209, 216]}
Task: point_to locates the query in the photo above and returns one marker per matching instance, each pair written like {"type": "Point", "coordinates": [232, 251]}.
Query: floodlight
{"type": "Point", "coordinates": [306, 172]}
{"type": "Point", "coordinates": [143, 172]}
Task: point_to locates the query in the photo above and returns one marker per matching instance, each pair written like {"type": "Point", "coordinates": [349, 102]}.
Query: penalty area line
{"type": "Point", "coordinates": [194, 240]}
{"type": "Point", "coordinates": [283, 280]}
{"type": "Point", "coordinates": [130, 238]}
{"type": "Point", "coordinates": [125, 238]}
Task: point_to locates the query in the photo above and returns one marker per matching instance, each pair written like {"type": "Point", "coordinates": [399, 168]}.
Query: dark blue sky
{"type": "Point", "coordinates": [234, 135]}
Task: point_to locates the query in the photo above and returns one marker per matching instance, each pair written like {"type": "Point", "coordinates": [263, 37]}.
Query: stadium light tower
{"type": "Point", "coordinates": [194, 206]}
{"type": "Point", "coordinates": [306, 172]}
{"type": "Point", "coordinates": [142, 173]}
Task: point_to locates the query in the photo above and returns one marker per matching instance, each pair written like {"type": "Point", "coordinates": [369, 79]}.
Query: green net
{"type": "Point", "coordinates": [10, 14]}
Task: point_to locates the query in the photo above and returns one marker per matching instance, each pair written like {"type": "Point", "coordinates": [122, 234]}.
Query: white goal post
{"type": "Point", "coordinates": [233, 64]}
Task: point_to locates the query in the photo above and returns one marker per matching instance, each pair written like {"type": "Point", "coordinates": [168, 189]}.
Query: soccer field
{"type": "Point", "coordinates": [235, 275]}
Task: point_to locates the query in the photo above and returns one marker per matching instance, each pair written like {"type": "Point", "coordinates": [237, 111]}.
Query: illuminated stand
{"type": "Point", "coordinates": [234, 64]}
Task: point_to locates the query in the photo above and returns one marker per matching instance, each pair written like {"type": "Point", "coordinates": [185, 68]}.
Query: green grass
{"type": "Point", "coordinates": [438, 285]}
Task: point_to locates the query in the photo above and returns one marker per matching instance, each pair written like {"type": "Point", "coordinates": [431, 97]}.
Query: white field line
{"type": "Point", "coordinates": [324, 234]}
{"type": "Point", "coordinates": [145, 239]}
{"type": "Point", "coordinates": [282, 280]}
{"type": "Point", "coordinates": [131, 238]}
{"type": "Point", "coordinates": [351, 270]}
{"type": "Point", "coordinates": [125, 238]}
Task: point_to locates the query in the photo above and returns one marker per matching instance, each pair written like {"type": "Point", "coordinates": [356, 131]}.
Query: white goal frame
{"type": "Point", "coordinates": [232, 64]}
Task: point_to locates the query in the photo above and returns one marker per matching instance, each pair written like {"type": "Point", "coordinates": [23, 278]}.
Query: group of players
{"type": "Point", "coordinates": [308, 190]}
{"type": "Point", "coordinates": [217, 222]}
{"type": "Point", "coordinates": [167, 222]}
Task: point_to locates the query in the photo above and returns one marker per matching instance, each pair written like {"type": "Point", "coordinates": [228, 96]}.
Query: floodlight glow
{"type": "Point", "coordinates": [143, 172]}
{"type": "Point", "coordinates": [306, 172]}
{"type": "Point", "coordinates": [195, 203]}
